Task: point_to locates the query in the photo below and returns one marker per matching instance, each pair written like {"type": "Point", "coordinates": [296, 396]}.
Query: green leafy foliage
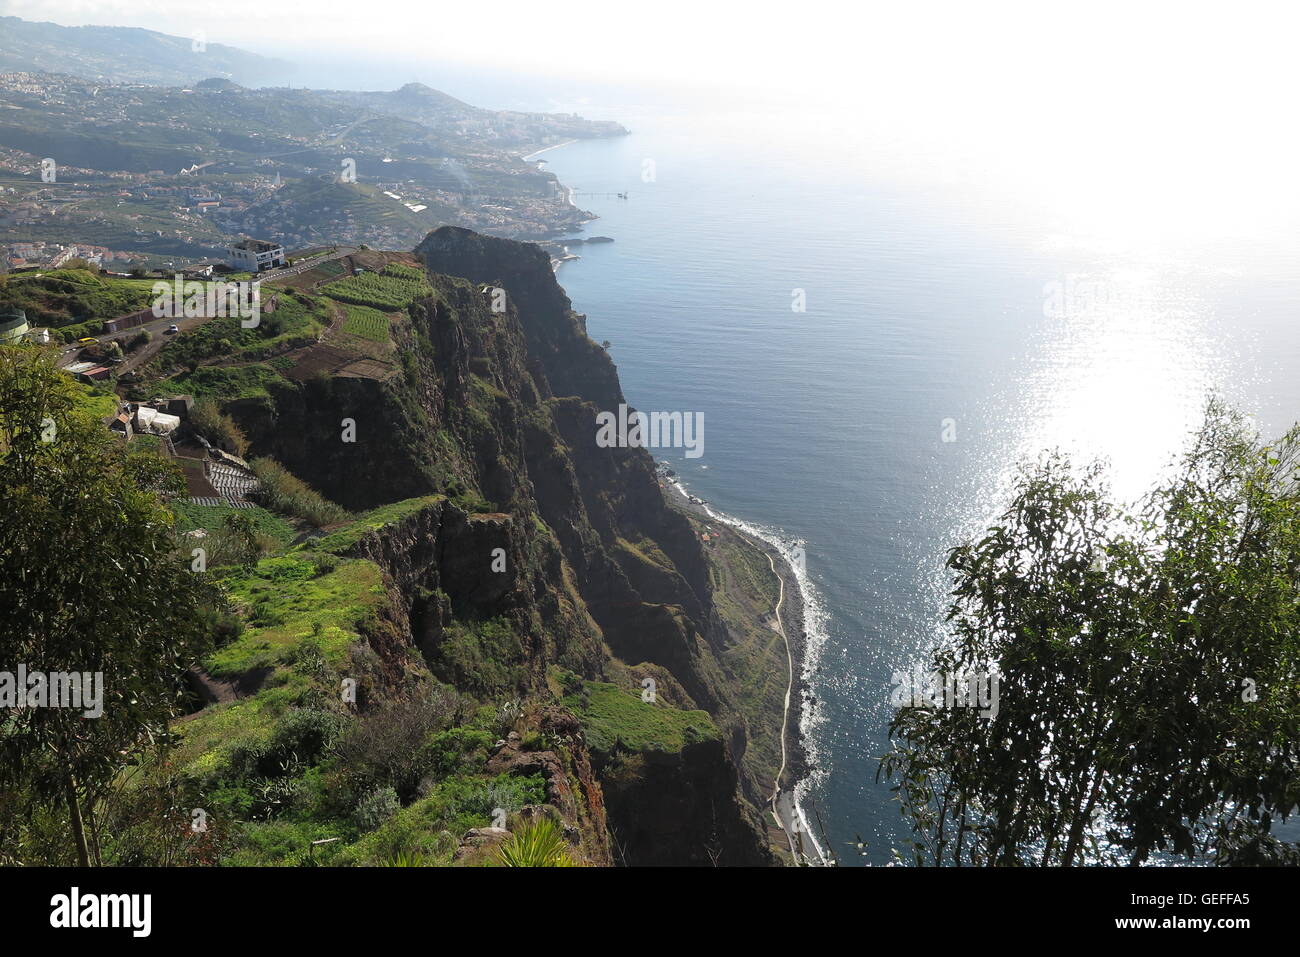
{"type": "Point", "coordinates": [344, 538]}
{"type": "Point", "coordinates": [211, 517]}
{"type": "Point", "coordinates": [539, 843]}
{"type": "Point", "coordinates": [1147, 663]}
{"type": "Point", "coordinates": [90, 582]}
{"type": "Point", "coordinates": [67, 297]}
{"type": "Point", "coordinates": [618, 720]}
{"type": "Point", "coordinates": [208, 420]}
{"type": "Point", "coordinates": [284, 492]}
{"type": "Point", "coordinates": [376, 808]}
{"type": "Point", "coordinates": [297, 320]}
{"type": "Point", "coordinates": [482, 657]}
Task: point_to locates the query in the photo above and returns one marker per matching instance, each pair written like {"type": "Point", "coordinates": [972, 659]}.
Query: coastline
{"type": "Point", "coordinates": [787, 802]}
{"type": "Point", "coordinates": [546, 149]}
{"type": "Point", "coordinates": [801, 616]}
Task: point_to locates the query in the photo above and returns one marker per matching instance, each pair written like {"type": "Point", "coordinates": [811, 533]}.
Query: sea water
{"type": "Point", "coordinates": [875, 344]}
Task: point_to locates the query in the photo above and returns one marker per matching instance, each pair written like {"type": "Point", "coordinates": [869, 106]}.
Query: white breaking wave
{"type": "Point", "coordinates": [815, 639]}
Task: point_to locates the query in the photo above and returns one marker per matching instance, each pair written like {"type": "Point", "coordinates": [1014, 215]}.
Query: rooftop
{"type": "Point", "coordinates": [255, 245]}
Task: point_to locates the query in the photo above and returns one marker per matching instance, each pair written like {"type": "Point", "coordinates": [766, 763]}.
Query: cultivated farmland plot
{"type": "Point", "coordinates": [395, 288]}
{"type": "Point", "coordinates": [366, 322]}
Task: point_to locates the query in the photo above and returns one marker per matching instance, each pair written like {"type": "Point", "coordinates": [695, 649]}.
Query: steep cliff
{"type": "Point", "coordinates": [524, 561]}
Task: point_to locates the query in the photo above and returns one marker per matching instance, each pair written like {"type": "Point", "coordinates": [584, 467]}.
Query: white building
{"type": "Point", "coordinates": [155, 422]}
{"type": "Point", "coordinates": [255, 255]}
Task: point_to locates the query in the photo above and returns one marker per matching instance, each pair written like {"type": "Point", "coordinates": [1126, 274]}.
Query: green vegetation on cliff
{"type": "Point", "coordinates": [394, 288]}
{"type": "Point", "coordinates": [619, 720]}
{"type": "Point", "coordinates": [386, 680]}
{"type": "Point", "coordinates": [376, 518]}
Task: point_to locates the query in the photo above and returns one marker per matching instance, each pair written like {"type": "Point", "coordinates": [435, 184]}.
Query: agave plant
{"type": "Point", "coordinates": [408, 859]}
{"type": "Point", "coordinates": [539, 844]}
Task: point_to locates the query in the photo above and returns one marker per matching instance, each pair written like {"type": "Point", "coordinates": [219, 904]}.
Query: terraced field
{"type": "Point", "coordinates": [395, 288]}
{"type": "Point", "coordinates": [366, 322]}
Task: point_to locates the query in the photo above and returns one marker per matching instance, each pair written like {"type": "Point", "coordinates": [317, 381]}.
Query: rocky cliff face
{"type": "Point", "coordinates": [541, 553]}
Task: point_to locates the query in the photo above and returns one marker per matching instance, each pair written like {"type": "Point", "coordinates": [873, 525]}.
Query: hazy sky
{"type": "Point", "coordinates": [1040, 52]}
{"type": "Point", "coordinates": [1130, 103]}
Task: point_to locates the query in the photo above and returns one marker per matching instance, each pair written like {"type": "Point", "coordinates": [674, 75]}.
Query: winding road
{"type": "Point", "coordinates": [782, 803]}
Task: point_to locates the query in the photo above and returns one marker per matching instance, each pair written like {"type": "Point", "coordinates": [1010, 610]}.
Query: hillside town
{"type": "Point", "coordinates": [133, 172]}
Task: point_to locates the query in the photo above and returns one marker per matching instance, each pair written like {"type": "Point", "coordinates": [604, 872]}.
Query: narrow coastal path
{"type": "Point", "coordinates": [781, 804]}
{"type": "Point", "coordinates": [789, 684]}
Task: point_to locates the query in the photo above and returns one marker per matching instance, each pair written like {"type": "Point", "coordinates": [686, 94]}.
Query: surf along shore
{"type": "Point", "coordinates": [785, 805]}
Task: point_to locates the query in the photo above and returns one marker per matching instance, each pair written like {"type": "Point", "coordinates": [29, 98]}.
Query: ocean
{"type": "Point", "coordinates": [875, 340]}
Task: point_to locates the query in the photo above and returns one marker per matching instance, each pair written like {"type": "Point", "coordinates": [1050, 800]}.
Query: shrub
{"type": "Point", "coordinates": [539, 844]}
{"type": "Point", "coordinates": [271, 796]}
{"type": "Point", "coordinates": [300, 737]}
{"type": "Point", "coordinates": [304, 733]}
{"type": "Point", "coordinates": [376, 808]}
{"type": "Point", "coordinates": [207, 419]}
{"type": "Point", "coordinates": [408, 859]}
{"type": "Point", "coordinates": [478, 798]}
{"type": "Point", "coordinates": [284, 492]}
{"type": "Point", "coordinates": [473, 502]}
{"type": "Point", "coordinates": [390, 746]}
{"type": "Point", "coordinates": [232, 542]}
{"type": "Point", "coordinates": [448, 752]}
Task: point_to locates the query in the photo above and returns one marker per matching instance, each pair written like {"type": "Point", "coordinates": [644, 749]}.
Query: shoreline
{"type": "Point", "coordinates": [554, 232]}
{"type": "Point", "coordinates": [786, 802]}
{"type": "Point", "coordinates": [546, 149]}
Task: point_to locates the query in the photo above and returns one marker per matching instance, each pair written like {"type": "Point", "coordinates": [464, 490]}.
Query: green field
{"type": "Point", "coordinates": [224, 382]}
{"type": "Point", "coordinates": [366, 322]}
{"type": "Point", "coordinates": [98, 401]}
{"type": "Point", "coordinates": [393, 289]}
{"type": "Point", "coordinates": [617, 719]}
{"type": "Point", "coordinates": [190, 516]}
{"type": "Point", "coordinates": [400, 271]}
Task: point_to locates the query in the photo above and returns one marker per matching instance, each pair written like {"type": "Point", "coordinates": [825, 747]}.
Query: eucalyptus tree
{"type": "Point", "coordinates": [1148, 665]}
{"type": "Point", "coordinates": [92, 586]}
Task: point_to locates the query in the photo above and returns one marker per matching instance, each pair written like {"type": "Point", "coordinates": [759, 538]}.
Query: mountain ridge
{"type": "Point", "coordinates": [126, 54]}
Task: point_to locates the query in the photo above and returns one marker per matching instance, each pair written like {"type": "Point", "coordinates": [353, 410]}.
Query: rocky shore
{"type": "Point", "coordinates": [798, 765]}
